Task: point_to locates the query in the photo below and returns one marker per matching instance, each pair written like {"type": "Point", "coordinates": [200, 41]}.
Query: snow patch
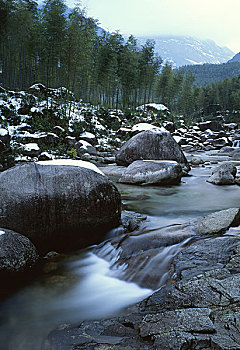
{"type": "Point", "coordinates": [31, 147]}
{"type": "Point", "coordinates": [2, 233]}
{"type": "Point", "coordinates": [146, 126]}
{"type": "Point", "coordinates": [89, 135]}
{"type": "Point", "coordinates": [3, 132]}
{"type": "Point", "coordinates": [72, 162]}
{"type": "Point", "coordinates": [157, 106]}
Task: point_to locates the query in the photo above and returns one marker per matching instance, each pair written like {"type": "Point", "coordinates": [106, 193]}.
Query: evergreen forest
{"type": "Point", "coordinates": [58, 47]}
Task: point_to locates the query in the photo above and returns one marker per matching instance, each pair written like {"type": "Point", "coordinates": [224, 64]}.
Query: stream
{"type": "Point", "coordinates": [84, 285]}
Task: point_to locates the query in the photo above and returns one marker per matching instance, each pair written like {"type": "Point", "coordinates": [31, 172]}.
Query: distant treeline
{"type": "Point", "coordinates": [206, 74]}
{"type": "Point", "coordinates": [60, 48]}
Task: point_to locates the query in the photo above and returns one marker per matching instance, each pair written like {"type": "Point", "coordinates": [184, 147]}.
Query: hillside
{"type": "Point", "coordinates": [211, 73]}
{"type": "Point", "coordinates": [181, 50]}
{"type": "Point", "coordinates": [235, 58]}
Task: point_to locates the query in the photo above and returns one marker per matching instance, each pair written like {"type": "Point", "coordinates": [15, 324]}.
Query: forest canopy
{"type": "Point", "coordinates": [57, 47]}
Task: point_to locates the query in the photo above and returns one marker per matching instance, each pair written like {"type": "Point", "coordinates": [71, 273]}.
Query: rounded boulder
{"type": "Point", "coordinates": [151, 145]}
{"type": "Point", "coordinates": [59, 205]}
{"type": "Point", "coordinates": [148, 172]}
{"type": "Point", "coordinates": [17, 252]}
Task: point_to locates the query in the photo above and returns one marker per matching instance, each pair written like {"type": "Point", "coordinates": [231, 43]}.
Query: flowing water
{"type": "Point", "coordinates": [89, 285]}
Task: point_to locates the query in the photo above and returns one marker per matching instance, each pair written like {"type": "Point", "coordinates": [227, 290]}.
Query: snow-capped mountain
{"type": "Point", "coordinates": [235, 58]}
{"type": "Point", "coordinates": [182, 50]}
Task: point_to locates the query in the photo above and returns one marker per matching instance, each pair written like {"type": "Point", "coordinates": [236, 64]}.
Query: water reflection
{"type": "Point", "coordinates": [193, 197]}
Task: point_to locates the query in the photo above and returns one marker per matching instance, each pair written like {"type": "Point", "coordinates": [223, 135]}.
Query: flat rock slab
{"type": "Point", "coordinates": [218, 222]}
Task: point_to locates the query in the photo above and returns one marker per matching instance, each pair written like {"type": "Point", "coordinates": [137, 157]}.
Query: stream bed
{"type": "Point", "coordinates": [83, 285]}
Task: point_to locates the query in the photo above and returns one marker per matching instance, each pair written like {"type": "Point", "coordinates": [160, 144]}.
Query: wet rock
{"type": "Point", "coordinates": [196, 161]}
{"type": "Point", "coordinates": [146, 172]}
{"type": "Point", "coordinates": [218, 222]}
{"type": "Point", "coordinates": [149, 145]}
{"type": "Point", "coordinates": [236, 154]}
{"type": "Point", "coordinates": [131, 221]}
{"type": "Point", "coordinates": [227, 150]}
{"type": "Point", "coordinates": [17, 253]}
{"type": "Point", "coordinates": [205, 255]}
{"type": "Point", "coordinates": [117, 334]}
{"type": "Point", "coordinates": [223, 174]}
{"type": "Point", "coordinates": [198, 310]}
{"type": "Point", "coordinates": [59, 206]}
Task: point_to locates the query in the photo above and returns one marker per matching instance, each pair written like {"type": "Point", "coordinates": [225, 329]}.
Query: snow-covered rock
{"type": "Point", "coordinates": [144, 127]}
{"type": "Point", "coordinates": [59, 206]}
{"type": "Point", "coordinates": [31, 150]}
{"type": "Point", "coordinates": [157, 107]}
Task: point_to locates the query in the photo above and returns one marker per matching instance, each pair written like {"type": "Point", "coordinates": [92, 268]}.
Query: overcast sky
{"type": "Point", "coordinates": [207, 19]}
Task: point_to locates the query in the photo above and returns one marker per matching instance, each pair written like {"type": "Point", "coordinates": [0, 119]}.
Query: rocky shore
{"type": "Point", "coordinates": [58, 164]}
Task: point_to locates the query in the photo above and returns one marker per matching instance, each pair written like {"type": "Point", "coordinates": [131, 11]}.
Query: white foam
{"type": "Point", "coordinates": [98, 293]}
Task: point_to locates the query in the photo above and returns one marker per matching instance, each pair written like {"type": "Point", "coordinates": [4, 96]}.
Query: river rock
{"type": "Point", "coordinates": [16, 252]}
{"type": "Point", "coordinates": [196, 161]}
{"type": "Point", "coordinates": [146, 172]}
{"type": "Point", "coordinates": [131, 221]}
{"type": "Point", "coordinates": [223, 174]}
{"type": "Point", "coordinates": [218, 222]}
{"type": "Point", "coordinates": [59, 206]}
{"type": "Point", "coordinates": [151, 145]}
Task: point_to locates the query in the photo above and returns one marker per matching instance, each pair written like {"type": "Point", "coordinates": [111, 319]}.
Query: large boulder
{"type": "Point", "coordinates": [146, 172]}
{"type": "Point", "coordinates": [224, 174]}
{"type": "Point", "coordinates": [59, 206]}
{"type": "Point", "coordinates": [151, 145]}
{"type": "Point", "coordinates": [16, 252]}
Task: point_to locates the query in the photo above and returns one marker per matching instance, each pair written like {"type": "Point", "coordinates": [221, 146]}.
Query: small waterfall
{"type": "Point", "coordinates": [236, 143]}
{"type": "Point", "coordinates": [148, 269]}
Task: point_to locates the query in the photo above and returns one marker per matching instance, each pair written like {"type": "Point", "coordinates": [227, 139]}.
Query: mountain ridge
{"type": "Point", "coordinates": [235, 58]}
{"type": "Point", "coordinates": [187, 50]}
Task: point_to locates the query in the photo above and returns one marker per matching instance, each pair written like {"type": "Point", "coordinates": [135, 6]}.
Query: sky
{"type": "Point", "coordinates": [205, 19]}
